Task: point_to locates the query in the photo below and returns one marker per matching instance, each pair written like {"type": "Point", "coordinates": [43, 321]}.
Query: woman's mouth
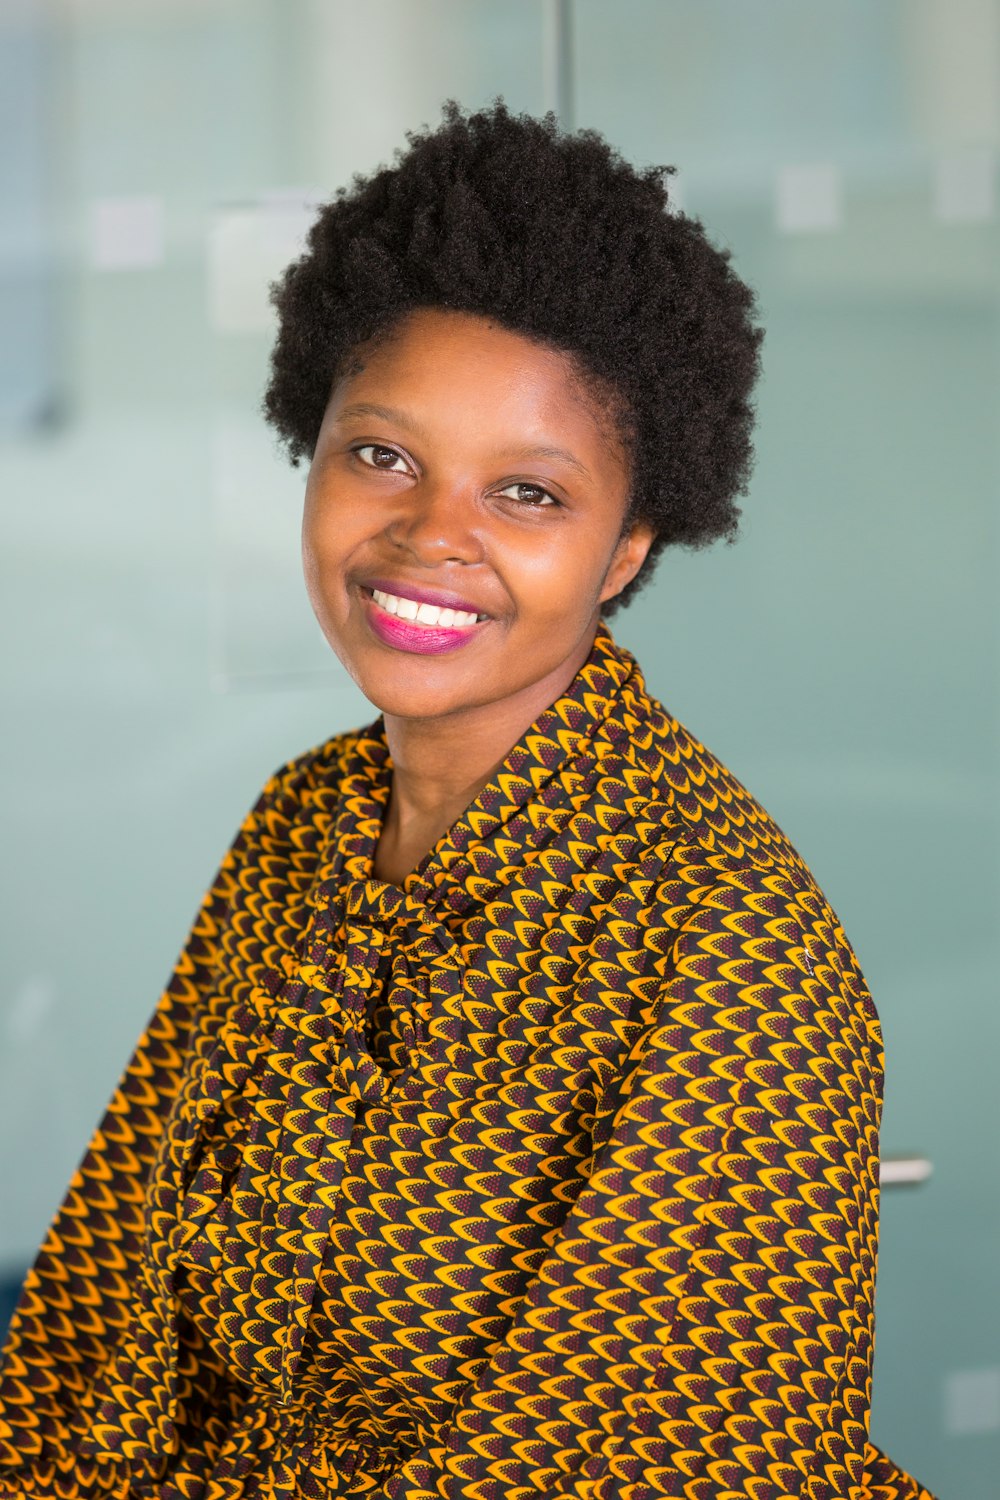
{"type": "Point", "coordinates": [414, 625]}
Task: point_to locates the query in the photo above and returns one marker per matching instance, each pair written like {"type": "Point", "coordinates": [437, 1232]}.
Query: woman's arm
{"type": "Point", "coordinates": [703, 1321]}
{"type": "Point", "coordinates": [75, 1299]}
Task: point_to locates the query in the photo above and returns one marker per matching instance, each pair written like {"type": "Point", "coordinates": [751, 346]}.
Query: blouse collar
{"type": "Point", "coordinates": [551, 758]}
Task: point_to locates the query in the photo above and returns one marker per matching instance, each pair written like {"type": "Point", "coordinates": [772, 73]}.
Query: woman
{"type": "Point", "coordinates": [509, 1126]}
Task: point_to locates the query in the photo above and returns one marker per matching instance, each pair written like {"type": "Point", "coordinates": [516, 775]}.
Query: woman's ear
{"type": "Point", "coordinates": [627, 558]}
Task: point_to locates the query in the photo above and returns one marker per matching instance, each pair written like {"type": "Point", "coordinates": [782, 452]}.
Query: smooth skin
{"type": "Point", "coordinates": [445, 488]}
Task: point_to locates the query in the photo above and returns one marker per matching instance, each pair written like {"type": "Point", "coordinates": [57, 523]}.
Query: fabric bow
{"type": "Point", "coordinates": [371, 945]}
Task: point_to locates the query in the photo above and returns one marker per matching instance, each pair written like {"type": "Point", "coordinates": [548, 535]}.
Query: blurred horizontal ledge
{"type": "Point", "coordinates": [904, 1171]}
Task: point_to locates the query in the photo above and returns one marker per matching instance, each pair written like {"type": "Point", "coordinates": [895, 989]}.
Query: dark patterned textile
{"type": "Point", "coordinates": [552, 1173]}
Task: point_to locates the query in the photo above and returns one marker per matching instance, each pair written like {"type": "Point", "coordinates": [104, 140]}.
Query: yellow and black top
{"type": "Point", "coordinates": [552, 1173]}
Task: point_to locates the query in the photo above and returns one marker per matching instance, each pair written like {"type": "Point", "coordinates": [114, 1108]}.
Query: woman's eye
{"type": "Point", "coordinates": [535, 497]}
{"type": "Point", "coordinates": [386, 459]}
{"type": "Point", "coordinates": [382, 458]}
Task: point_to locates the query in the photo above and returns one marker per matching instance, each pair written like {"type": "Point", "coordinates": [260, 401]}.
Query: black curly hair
{"type": "Point", "coordinates": [554, 236]}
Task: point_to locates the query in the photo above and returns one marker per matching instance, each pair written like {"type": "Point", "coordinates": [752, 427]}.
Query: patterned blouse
{"type": "Point", "coordinates": [551, 1173]}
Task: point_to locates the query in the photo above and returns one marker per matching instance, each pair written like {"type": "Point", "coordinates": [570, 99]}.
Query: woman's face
{"type": "Point", "coordinates": [464, 470]}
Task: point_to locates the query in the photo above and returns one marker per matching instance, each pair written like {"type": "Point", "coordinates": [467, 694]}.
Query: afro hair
{"type": "Point", "coordinates": [554, 236]}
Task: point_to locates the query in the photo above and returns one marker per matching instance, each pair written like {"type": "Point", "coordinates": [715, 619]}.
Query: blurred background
{"type": "Point", "coordinates": [159, 165]}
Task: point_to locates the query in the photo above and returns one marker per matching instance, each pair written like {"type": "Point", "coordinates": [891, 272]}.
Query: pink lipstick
{"type": "Point", "coordinates": [410, 635]}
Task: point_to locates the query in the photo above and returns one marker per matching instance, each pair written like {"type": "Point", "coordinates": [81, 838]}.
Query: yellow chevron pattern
{"type": "Point", "coordinates": [552, 1173]}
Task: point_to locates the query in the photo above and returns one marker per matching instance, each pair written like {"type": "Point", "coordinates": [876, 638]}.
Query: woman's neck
{"type": "Point", "coordinates": [440, 766]}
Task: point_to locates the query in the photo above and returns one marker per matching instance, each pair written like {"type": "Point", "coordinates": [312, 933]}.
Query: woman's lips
{"type": "Point", "coordinates": [408, 635]}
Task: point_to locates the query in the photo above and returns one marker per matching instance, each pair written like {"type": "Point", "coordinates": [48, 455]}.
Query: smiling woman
{"type": "Point", "coordinates": [474, 509]}
{"type": "Point", "coordinates": [509, 1125]}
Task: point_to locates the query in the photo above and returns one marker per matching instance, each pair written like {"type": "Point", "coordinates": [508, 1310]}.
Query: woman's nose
{"type": "Point", "coordinates": [436, 522]}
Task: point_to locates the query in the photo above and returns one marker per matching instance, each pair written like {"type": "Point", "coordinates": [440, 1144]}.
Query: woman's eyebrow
{"type": "Point", "coordinates": [384, 413]}
{"type": "Point", "coordinates": [545, 450]}
{"type": "Point", "coordinates": [393, 414]}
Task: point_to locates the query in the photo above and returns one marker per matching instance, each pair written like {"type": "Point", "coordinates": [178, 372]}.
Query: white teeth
{"type": "Point", "coordinates": [423, 614]}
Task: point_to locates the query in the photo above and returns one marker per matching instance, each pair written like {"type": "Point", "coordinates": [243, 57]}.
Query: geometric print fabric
{"type": "Point", "coordinates": [551, 1173]}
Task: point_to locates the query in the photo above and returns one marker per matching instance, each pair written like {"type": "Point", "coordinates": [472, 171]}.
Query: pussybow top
{"type": "Point", "coordinates": [551, 1173]}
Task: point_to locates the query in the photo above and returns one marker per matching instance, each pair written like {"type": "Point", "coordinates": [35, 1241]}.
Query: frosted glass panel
{"type": "Point", "coordinates": [29, 356]}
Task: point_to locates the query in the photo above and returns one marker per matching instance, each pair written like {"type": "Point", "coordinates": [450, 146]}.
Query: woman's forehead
{"type": "Point", "coordinates": [443, 367]}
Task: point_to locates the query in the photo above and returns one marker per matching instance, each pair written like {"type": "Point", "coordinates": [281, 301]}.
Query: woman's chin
{"type": "Point", "coordinates": [407, 694]}
{"type": "Point", "coordinates": [416, 684]}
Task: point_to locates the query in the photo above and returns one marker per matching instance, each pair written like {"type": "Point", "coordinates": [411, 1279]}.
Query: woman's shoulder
{"type": "Point", "coordinates": [732, 869]}
{"type": "Point", "coordinates": [691, 805]}
{"type": "Point", "coordinates": [707, 804]}
{"type": "Point", "coordinates": [319, 768]}
{"type": "Point", "coordinates": [302, 791]}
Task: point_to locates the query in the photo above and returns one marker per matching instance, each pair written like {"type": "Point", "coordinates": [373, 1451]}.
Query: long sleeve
{"type": "Point", "coordinates": [75, 1300]}
{"type": "Point", "coordinates": [702, 1324]}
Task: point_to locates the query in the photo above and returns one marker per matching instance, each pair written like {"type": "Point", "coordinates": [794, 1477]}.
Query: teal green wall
{"type": "Point", "coordinates": [841, 658]}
